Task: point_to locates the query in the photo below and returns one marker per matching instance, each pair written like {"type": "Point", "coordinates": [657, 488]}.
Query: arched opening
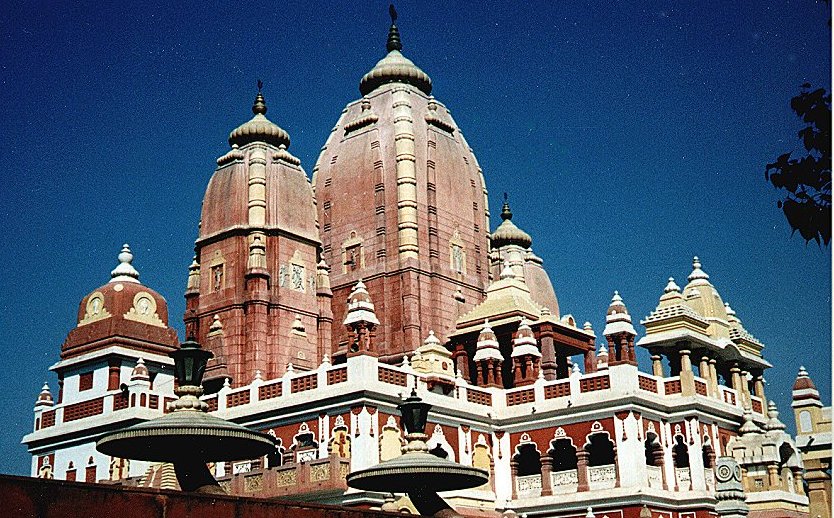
{"type": "Point", "coordinates": [276, 457]}
{"type": "Point", "coordinates": [654, 451]}
{"type": "Point", "coordinates": [680, 452]}
{"type": "Point", "coordinates": [528, 469]}
{"type": "Point", "coordinates": [563, 454]}
{"type": "Point", "coordinates": [600, 450]}
{"type": "Point", "coordinates": [528, 459]}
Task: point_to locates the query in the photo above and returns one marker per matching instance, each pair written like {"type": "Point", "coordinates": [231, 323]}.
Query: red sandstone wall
{"type": "Point", "coordinates": [25, 497]}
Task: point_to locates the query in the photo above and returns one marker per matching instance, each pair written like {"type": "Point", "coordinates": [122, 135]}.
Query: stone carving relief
{"type": "Point", "coordinates": [144, 310]}
{"type": "Point", "coordinates": [94, 310]}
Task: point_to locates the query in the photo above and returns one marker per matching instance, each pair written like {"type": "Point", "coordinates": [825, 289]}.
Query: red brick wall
{"type": "Point", "coordinates": [29, 497]}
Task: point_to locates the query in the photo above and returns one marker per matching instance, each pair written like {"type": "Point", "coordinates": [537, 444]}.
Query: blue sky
{"type": "Point", "coordinates": [630, 138]}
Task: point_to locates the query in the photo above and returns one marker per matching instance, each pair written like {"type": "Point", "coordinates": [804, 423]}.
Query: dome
{"type": "Point", "coordinates": [541, 288]}
{"type": "Point", "coordinates": [122, 309]}
{"type": "Point", "coordinates": [394, 67]}
{"type": "Point", "coordinates": [508, 233]}
{"type": "Point", "coordinates": [259, 128]}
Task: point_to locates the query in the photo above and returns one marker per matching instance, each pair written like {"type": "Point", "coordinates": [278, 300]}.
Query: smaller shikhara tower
{"type": "Point", "coordinates": [253, 297]}
{"type": "Point", "coordinates": [402, 206]}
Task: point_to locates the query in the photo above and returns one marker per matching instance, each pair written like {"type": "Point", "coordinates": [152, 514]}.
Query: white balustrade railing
{"type": "Point", "coordinates": [655, 477]}
{"type": "Point", "coordinates": [528, 486]}
{"type": "Point", "coordinates": [602, 477]}
{"type": "Point", "coordinates": [564, 481]}
{"type": "Point", "coordinates": [684, 479]}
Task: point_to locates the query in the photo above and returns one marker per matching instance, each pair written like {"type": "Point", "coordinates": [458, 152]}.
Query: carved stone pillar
{"type": "Point", "coordinates": [713, 377]}
{"type": "Point", "coordinates": [657, 365]}
{"type": "Point", "coordinates": [703, 371]}
{"type": "Point", "coordinates": [461, 359]}
{"type": "Point", "coordinates": [590, 361]}
{"type": "Point", "coordinates": [547, 468]}
{"type": "Point", "coordinates": [616, 468]}
{"type": "Point", "coordinates": [687, 376]}
{"type": "Point", "coordinates": [548, 352]}
{"type": "Point", "coordinates": [582, 470]}
{"type": "Point", "coordinates": [758, 388]}
{"type": "Point", "coordinates": [745, 388]}
{"type": "Point", "coordinates": [735, 374]}
{"type": "Point", "coordinates": [498, 378]}
{"type": "Point", "coordinates": [514, 473]}
{"type": "Point", "coordinates": [797, 481]}
{"type": "Point", "coordinates": [773, 477]}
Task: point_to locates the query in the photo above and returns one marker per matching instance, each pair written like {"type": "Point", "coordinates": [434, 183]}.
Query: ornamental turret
{"type": "Point", "coordinates": [44, 398]}
{"type": "Point", "coordinates": [257, 259]}
{"type": "Point", "coordinates": [488, 359]}
{"type": "Point", "coordinates": [361, 321]}
{"type": "Point", "coordinates": [694, 327]}
{"type": "Point", "coordinates": [526, 356]}
{"type": "Point", "coordinates": [402, 204]}
{"type": "Point", "coordinates": [619, 332]}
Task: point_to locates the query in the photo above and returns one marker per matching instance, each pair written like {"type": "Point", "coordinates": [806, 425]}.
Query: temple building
{"type": "Point", "coordinates": [325, 300]}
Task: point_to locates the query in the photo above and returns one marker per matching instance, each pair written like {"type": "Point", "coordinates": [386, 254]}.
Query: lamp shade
{"type": "Point", "coordinates": [190, 363]}
{"type": "Point", "coordinates": [414, 413]}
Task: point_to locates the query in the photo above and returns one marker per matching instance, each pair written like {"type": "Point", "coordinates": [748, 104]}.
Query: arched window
{"type": "Point", "coordinates": [528, 459]}
{"type": "Point", "coordinates": [805, 424]}
{"type": "Point", "coordinates": [563, 454]}
{"type": "Point", "coordinates": [276, 457]}
{"type": "Point", "coordinates": [680, 452]}
{"type": "Point", "coordinates": [600, 450]}
{"type": "Point", "coordinates": [654, 451]}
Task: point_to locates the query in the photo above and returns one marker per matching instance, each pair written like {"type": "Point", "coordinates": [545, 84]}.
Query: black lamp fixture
{"type": "Point", "coordinates": [414, 413]}
{"type": "Point", "coordinates": [190, 363]}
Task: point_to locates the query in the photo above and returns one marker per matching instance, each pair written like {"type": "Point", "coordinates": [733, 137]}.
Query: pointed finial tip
{"type": "Point", "coordinates": [259, 106]}
{"type": "Point", "coordinates": [394, 42]}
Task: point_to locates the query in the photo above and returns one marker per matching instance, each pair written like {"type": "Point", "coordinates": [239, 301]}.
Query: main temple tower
{"type": "Point", "coordinates": [402, 205]}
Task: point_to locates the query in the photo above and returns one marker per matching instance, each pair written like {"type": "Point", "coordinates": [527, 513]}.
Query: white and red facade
{"type": "Point", "coordinates": [396, 215]}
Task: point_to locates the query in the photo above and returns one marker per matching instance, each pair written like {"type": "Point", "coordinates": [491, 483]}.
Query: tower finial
{"type": "Point", "coordinates": [394, 42]}
{"type": "Point", "coordinates": [506, 213]}
{"type": "Point", "coordinates": [125, 270]}
{"type": "Point", "coordinates": [260, 103]}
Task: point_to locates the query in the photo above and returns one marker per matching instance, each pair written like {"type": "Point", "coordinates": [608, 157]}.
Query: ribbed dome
{"type": "Point", "coordinates": [509, 234]}
{"type": "Point", "coordinates": [394, 67]}
{"type": "Point", "coordinates": [259, 128]}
